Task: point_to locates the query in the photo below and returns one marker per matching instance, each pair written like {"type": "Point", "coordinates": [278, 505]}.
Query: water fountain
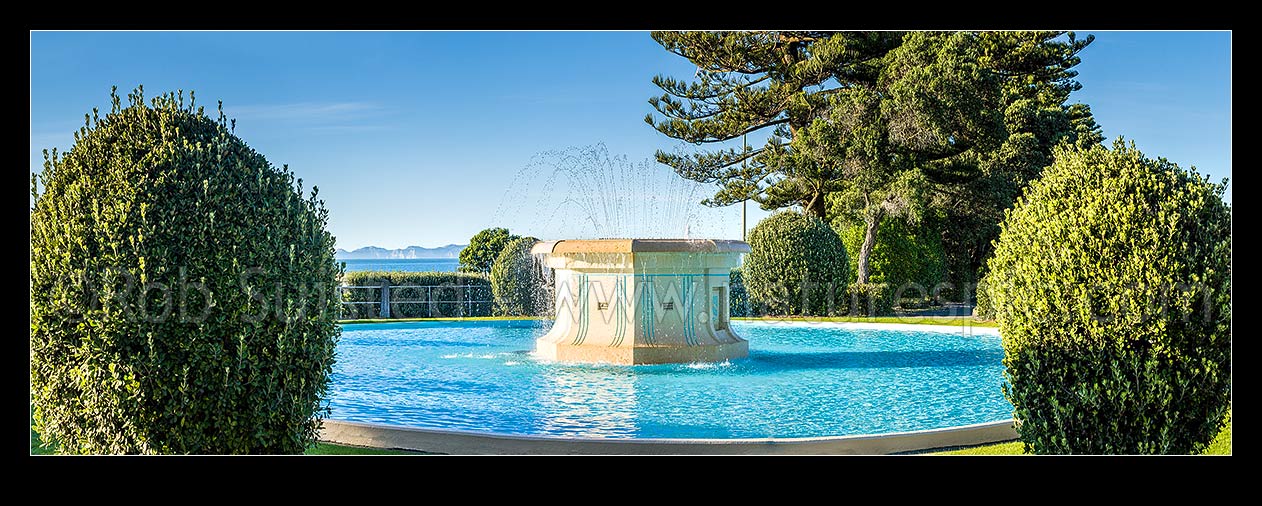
{"type": "Point", "coordinates": [587, 193]}
{"type": "Point", "coordinates": [653, 299]}
{"type": "Point", "coordinates": [641, 301]}
{"type": "Point", "coordinates": [540, 386]}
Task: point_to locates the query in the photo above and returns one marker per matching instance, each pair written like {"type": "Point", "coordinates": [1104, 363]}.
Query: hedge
{"type": "Point", "coordinates": [453, 294]}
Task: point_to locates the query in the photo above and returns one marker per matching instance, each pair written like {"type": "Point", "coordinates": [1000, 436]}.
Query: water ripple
{"type": "Point", "coordinates": [798, 381]}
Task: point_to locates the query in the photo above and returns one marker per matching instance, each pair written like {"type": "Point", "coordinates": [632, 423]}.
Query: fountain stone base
{"type": "Point", "coordinates": [641, 301]}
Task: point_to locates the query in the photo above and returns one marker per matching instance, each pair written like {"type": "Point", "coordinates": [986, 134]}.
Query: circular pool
{"type": "Point", "coordinates": [800, 380]}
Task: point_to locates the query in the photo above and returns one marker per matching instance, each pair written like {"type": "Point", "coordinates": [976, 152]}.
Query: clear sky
{"type": "Point", "coordinates": [424, 138]}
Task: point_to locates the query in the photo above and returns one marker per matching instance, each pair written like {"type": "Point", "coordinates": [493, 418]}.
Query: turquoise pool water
{"type": "Point", "coordinates": [800, 380]}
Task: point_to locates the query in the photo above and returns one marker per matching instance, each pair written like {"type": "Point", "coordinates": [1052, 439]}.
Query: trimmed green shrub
{"type": "Point", "coordinates": [484, 247]}
{"type": "Point", "coordinates": [430, 294]}
{"type": "Point", "coordinates": [1111, 283]}
{"type": "Point", "coordinates": [181, 290]}
{"type": "Point", "coordinates": [903, 254]}
{"type": "Point", "coordinates": [518, 282]}
{"type": "Point", "coordinates": [794, 257]}
{"type": "Point", "coordinates": [737, 297]}
{"type": "Point", "coordinates": [984, 309]}
{"type": "Point", "coordinates": [872, 299]}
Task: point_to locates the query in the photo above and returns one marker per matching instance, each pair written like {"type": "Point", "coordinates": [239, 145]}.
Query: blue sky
{"type": "Point", "coordinates": [424, 138]}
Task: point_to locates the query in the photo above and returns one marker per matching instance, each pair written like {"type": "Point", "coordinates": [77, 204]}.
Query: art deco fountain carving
{"type": "Point", "coordinates": [641, 301]}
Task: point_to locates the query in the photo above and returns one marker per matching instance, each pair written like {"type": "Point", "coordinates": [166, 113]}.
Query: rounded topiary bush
{"type": "Point", "coordinates": [795, 257]}
{"type": "Point", "coordinates": [1111, 285]}
{"type": "Point", "coordinates": [183, 291]}
{"type": "Point", "coordinates": [518, 282]}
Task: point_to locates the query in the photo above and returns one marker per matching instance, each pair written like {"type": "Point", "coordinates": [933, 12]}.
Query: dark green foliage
{"type": "Point", "coordinates": [484, 247]}
{"type": "Point", "coordinates": [1111, 284]}
{"type": "Point", "coordinates": [866, 124]}
{"type": "Point", "coordinates": [518, 282]}
{"type": "Point", "coordinates": [750, 81]}
{"type": "Point", "coordinates": [449, 294]}
{"type": "Point", "coordinates": [182, 290]}
{"type": "Point", "coordinates": [871, 299]}
{"type": "Point", "coordinates": [1037, 116]}
{"type": "Point", "coordinates": [737, 297]}
{"type": "Point", "coordinates": [794, 258]}
{"type": "Point", "coordinates": [903, 255]}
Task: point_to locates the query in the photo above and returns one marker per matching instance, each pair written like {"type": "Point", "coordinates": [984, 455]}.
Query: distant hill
{"type": "Point", "coordinates": [410, 252]}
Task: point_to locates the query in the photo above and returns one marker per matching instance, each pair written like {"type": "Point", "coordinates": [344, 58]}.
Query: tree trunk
{"type": "Point", "coordinates": [869, 241]}
{"type": "Point", "coordinates": [818, 206]}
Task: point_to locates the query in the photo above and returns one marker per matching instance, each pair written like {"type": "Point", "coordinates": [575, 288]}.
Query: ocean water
{"type": "Point", "coordinates": [799, 380]}
{"type": "Point", "coordinates": [406, 265]}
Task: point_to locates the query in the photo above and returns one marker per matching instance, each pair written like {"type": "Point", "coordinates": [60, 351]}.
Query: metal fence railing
{"type": "Point", "coordinates": [462, 298]}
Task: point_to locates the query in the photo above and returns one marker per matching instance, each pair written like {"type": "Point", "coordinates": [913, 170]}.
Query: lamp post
{"type": "Point", "coordinates": [745, 202]}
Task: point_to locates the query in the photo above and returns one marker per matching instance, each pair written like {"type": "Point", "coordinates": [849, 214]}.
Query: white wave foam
{"type": "Point", "coordinates": [472, 355]}
{"type": "Point", "coordinates": [708, 365]}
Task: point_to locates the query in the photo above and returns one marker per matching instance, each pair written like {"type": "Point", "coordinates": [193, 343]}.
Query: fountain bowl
{"type": "Point", "coordinates": [641, 301]}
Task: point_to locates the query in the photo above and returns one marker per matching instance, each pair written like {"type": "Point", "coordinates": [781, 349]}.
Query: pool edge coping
{"type": "Point", "coordinates": [459, 442]}
{"type": "Point", "coordinates": [955, 321]}
{"type": "Point", "coordinates": [900, 327]}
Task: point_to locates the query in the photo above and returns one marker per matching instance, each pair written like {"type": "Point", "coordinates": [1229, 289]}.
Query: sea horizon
{"type": "Point", "coordinates": [402, 264]}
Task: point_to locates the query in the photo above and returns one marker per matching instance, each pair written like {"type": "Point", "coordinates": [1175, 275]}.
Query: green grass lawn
{"type": "Point", "coordinates": [332, 449]}
{"type": "Point", "coordinates": [1009, 448]}
{"type": "Point", "coordinates": [1220, 446]}
{"type": "Point", "coordinates": [462, 319]}
{"type": "Point", "coordinates": [37, 448]}
{"type": "Point", "coordinates": [962, 321]}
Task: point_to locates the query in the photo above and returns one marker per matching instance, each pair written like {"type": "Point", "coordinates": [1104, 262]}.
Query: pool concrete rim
{"type": "Point", "coordinates": [928, 327]}
{"type": "Point", "coordinates": [898, 327]}
{"type": "Point", "coordinates": [454, 441]}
